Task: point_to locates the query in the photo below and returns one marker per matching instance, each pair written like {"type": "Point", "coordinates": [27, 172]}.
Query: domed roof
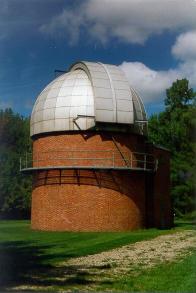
{"type": "Point", "coordinates": [89, 93]}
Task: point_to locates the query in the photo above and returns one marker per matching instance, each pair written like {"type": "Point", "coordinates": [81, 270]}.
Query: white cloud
{"type": "Point", "coordinates": [132, 21]}
{"type": "Point", "coordinates": [67, 20]}
{"type": "Point", "coordinates": [185, 46]}
{"type": "Point", "coordinates": [151, 84]}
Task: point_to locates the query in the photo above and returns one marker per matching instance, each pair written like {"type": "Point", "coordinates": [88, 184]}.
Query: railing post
{"type": "Point", "coordinates": [113, 158]}
{"type": "Point", "coordinates": [131, 160]}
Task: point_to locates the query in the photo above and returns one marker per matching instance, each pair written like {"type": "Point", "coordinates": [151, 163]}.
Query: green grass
{"type": "Point", "coordinates": [57, 246]}
{"type": "Point", "coordinates": [170, 277]}
{"type": "Point", "coordinates": [30, 257]}
{"type": "Point", "coordinates": [185, 223]}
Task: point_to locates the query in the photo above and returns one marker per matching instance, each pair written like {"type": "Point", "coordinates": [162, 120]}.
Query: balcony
{"type": "Point", "coordinates": [87, 159]}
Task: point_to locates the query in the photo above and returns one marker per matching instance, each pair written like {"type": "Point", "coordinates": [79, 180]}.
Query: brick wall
{"type": "Point", "coordinates": [95, 200]}
{"type": "Point", "coordinates": [85, 149]}
{"type": "Point", "coordinates": [88, 200]}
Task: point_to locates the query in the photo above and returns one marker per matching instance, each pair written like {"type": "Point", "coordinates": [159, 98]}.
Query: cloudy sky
{"type": "Point", "coordinates": [153, 41]}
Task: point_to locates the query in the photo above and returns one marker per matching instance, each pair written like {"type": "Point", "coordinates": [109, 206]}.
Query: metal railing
{"type": "Point", "coordinates": [97, 159]}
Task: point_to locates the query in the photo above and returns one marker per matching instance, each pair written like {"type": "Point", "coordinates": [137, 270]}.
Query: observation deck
{"type": "Point", "coordinates": [87, 159]}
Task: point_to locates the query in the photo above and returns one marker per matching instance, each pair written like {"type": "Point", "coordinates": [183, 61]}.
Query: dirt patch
{"type": "Point", "coordinates": [145, 253]}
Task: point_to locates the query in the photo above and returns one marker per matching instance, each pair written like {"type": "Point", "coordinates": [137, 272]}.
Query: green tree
{"type": "Point", "coordinates": [15, 189]}
{"type": "Point", "coordinates": [174, 128]}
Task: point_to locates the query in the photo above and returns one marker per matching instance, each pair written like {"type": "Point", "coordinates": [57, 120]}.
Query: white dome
{"type": "Point", "coordinates": [88, 93]}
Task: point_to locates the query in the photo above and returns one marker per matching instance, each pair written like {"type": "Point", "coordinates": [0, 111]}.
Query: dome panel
{"type": "Point", "coordinates": [63, 99]}
{"type": "Point", "coordinates": [38, 116]}
{"type": "Point", "coordinates": [53, 93]}
{"type": "Point", "coordinates": [65, 91]}
{"type": "Point", "coordinates": [62, 102]}
{"type": "Point", "coordinates": [89, 93]}
{"type": "Point", "coordinates": [61, 124]}
{"type": "Point", "coordinates": [49, 114]}
{"type": "Point", "coordinates": [49, 103]}
{"type": "Point", "coordinates": [62, 113]}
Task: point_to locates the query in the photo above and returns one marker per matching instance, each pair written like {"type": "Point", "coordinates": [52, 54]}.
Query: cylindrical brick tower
{"type": "Point", "coordinates": [89, 159]}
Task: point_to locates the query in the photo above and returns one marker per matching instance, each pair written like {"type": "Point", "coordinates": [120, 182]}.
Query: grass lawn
{"type": "Point", "coordinates": [30, 257]}
{"type": "Point", "coordinates": [171, 277]}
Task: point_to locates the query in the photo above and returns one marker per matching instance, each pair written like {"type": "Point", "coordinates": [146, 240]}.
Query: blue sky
{"type": "Point", "coordinates": [153, 41]}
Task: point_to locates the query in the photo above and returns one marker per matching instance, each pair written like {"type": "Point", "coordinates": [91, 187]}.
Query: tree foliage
{"type": "Point", "coordinates": [15, 189]}
{"type": "Point", "coordinates": [174, 128]}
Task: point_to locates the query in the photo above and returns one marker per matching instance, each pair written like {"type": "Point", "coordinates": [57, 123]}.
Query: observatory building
{"type": "Point", "coordinates": [93, 168]}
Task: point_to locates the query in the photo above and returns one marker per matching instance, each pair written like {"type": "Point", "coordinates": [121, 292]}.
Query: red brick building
{"type": "Point", "coordinates": [93, 168]}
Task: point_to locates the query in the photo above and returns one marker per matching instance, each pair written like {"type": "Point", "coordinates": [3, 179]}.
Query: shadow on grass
{"type": "Point", "coordinates": [25, 264]}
